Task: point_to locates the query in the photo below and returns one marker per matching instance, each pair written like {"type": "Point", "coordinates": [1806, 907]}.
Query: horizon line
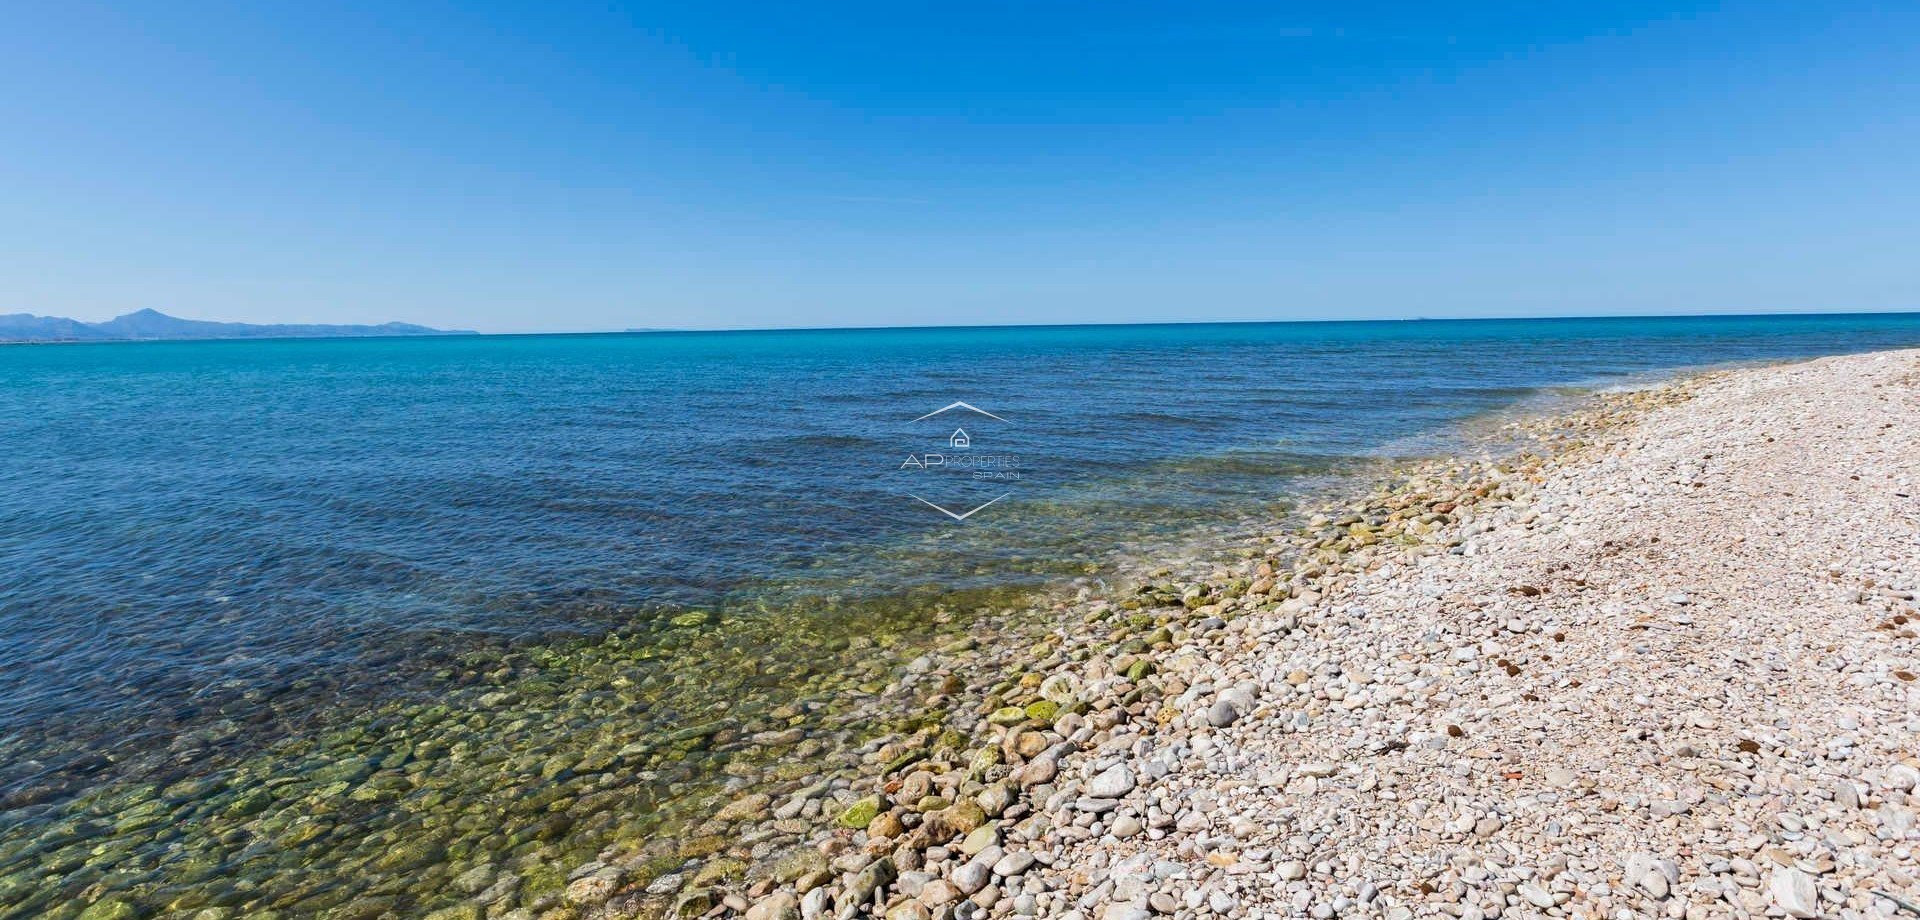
{"type": "Point", "coordinates": [713, 330]}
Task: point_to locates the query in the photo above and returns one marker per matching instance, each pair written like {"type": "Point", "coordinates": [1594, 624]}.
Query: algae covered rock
{"type": "Point", "coordinates": [861, 887]}
{"type": "Point", "coordinates": [953, 821]}
{"type": "Point", "coordinates": [744, 808]}
{"type": "Point", "coordinates": [1008, 715]}
{"type": "Point", "coordinates": [718, 870]}
{"type": "Point", "coordinates": [111, 908]}
{"type": "Point", "coordinates": [799, 861]}
{"type": "Point", "coordinates": [861, 813]}
{"type": "Point", "coordinates": [1042, 710]}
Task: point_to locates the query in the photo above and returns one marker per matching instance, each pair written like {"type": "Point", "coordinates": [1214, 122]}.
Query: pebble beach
{"type": "Point", "coordinates": [1662, 665]}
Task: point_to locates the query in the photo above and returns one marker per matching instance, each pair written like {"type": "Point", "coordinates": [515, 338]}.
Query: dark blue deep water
{"type": "Point", "coordinates": [183, 523]}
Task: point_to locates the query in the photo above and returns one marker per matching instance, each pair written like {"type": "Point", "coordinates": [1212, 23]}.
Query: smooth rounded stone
{"type": "Point", "coordinates": [1162, 902]}
{"type": "Point", "coordinates": [938, 892]}
{"type": "Point", "coordinates": [1125, 826]}
{"type": "Point", "coordinates": [780, 905]}
{"type": "Point", "coordinates": [1126, 911]}
{"type": "Point", "coordinates": [873, 878]}
{"type": "Point", "coordinates": [1536, 895]}
{"type": "Point", "coordinates": [791, 808]}
{"type": "Point", "coordinates": [982, 837]}
{"type": "Point", "coordinates": [1039, 771]}
{"type": "Point", "coordinates": [910, 883]}
{"type": "Point", "coordinates": [1793, 892]}
{"type": "Point", "coordinates": [1292, 870]}
{"type": "Point", "coordinates": [1013, 864]}
{"type": "Point", "coordinates": [972, 876]}
{"type": "Point", "coordinates": [1095, 806]}
{"type": "Point", "coordinates": [1112, 783]}
{"type": "Point", "coordinates": [909, 910]}
{"type": "Point", "coordinates": [887, 825]}
{"type": "Point", "coordinates": [995, 799]}
{"type": "Point", "coordinates": [744, 808]}
{"type": "Point", "coordinates": [1222, 714]}
{"type": "Point", "coordinates": [932, 803]}
{"type": "Point", "coordinates": [671, 882]}
{"type": "Point", "coordinates": [813, 904]}
{"type": "Point", "coordinates": [1029, 745]}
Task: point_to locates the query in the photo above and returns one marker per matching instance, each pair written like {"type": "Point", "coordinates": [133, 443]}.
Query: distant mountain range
{"type": "Point", "coordinates": [153, 325]}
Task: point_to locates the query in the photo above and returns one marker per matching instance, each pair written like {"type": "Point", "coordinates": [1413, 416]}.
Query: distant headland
{"type": "Point", "coordinates": [152, 325]}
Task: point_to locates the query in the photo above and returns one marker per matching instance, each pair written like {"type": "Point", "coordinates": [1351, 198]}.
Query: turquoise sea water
{"type": "Point", "coordinates": [234, 542]}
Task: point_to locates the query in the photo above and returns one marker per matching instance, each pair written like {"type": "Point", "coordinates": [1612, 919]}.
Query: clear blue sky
{"type": "Point", "coordinates": [511, 167]}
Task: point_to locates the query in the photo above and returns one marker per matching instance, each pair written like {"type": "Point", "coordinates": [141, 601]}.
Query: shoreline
{"type": "Point", "coordinates": [1121, 784]}
{"type": "Point", "coordinates": [999, 740]}
{"type": "Point", "coordinates": [987, 735]}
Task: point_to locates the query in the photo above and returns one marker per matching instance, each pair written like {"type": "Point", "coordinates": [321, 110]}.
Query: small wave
{"type": "Point", "coordinates": [1164, 418]}
{"type": "Point", "coordinates": [828, 440]}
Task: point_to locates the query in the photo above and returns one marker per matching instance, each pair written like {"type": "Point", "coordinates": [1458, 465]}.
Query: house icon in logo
{"type": "Point", "coordinates": [960, 438]}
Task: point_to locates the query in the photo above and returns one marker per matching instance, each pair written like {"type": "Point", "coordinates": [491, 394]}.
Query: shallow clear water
{"type": "Point", "coordinates": [184, 520]}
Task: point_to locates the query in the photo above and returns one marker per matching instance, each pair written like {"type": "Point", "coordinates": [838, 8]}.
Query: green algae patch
{"type": "Point", "coordinates": [861, 813]}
